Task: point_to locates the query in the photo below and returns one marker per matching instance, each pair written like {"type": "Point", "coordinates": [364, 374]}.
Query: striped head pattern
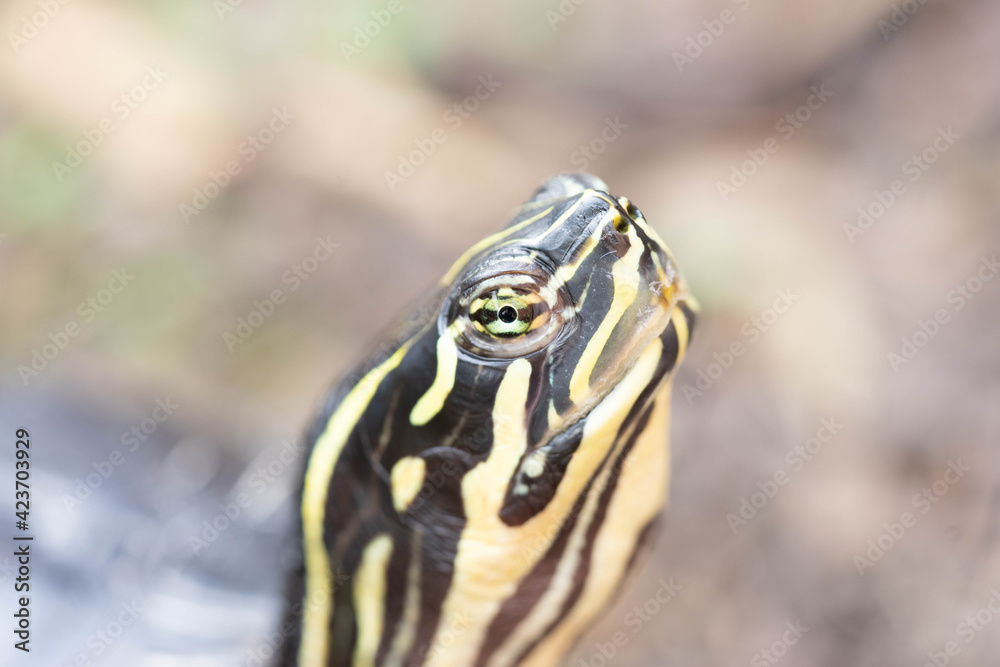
{"type": "Point", "coordinates": [478, 489]}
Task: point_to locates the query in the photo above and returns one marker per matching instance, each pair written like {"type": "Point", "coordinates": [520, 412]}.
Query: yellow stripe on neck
{"type": "Point", "coordinates": [369, 599]}
{"type": "Point", "coordinates": [433, 399]}
{"type": "Point", "coordinates": [625, 273]}
{"type": "Point", "coordinates": [683, 334]}
{"type": "Point", "coordinates": [486, 567]}
{"type": "Point", "coordinates": [314, 649]}
{"type": "Point", "coordinates": [407, 477]}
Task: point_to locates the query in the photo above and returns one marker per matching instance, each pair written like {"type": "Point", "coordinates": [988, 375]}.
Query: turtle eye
{"type": "Point", "coordinates": [508, 316]}
{"type": "Point", "coordinates": [502, 313]}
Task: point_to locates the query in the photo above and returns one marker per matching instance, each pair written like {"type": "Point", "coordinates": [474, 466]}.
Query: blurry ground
{"type": "Point", "coordinates": [168, 94]}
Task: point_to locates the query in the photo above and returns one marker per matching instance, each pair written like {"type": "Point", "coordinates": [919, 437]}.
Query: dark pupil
{"type": "Point", "coordinates": [507, 314]}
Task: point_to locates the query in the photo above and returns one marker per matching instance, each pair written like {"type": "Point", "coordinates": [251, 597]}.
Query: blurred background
{"type": "Point", "coordinates": [209, 209]}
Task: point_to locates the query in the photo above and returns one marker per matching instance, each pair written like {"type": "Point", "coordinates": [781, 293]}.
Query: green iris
{"type": "Point", "coordinates": [505, 316]}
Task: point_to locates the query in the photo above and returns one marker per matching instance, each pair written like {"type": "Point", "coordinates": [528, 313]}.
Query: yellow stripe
{"type": "Point", "coordinates": [406, 634]}
{"type": "Point", "coordinates": [407, 478]}
{"type": "Point", "coordinates": [534, 465]}
{"type": "Point", "coordinates": [486, 568]}
{"type": "Point", "coordinates": [560, 220]}
{"type": "Point", "coordinates": [433, 399]}
{"type": "Point", "coordinates": [639, 496]}
{"type": "Point", "coordinates": [485, 243]}
{"type": "Point", "coordinates": [494, 558]}
{"type": "Point", "coordinates": [625, 274]}
{"type": "Point", "coordinates": [681, 325]}
{"type": "Point", "coordinates": [668, 284]}
{"type": "Point", "coordinates": [651, 233]}
{"type": "Point", "coordinates": [566, 272]}
{"type": "Point", "coordinates": [604, 425]}
{"type": "Point", "coordinates": [369, 599]}
{"type": "Point", "coordinates": [319, 581]}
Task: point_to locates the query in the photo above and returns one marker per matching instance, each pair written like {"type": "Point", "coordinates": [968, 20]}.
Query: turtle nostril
{"type": "Point", "coordinates": [630, 208]}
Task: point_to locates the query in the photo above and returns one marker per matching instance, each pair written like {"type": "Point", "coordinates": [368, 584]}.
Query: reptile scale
{"type": "Point", "coordinates": [478, 488]}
